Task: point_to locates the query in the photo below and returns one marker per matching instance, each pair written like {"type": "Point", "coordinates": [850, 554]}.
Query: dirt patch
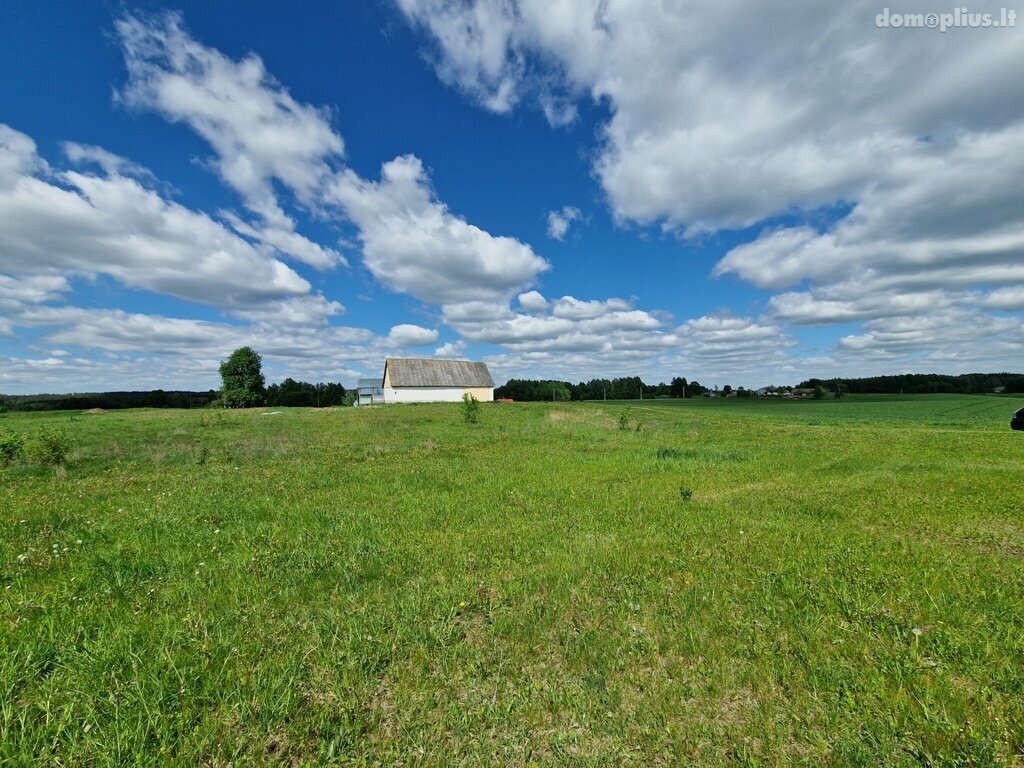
{"type": "Point", "coordinates": [95, 410]}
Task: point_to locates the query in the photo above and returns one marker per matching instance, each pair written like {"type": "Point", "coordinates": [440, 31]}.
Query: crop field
{"type": "Point", "coordinates": [660, 583]}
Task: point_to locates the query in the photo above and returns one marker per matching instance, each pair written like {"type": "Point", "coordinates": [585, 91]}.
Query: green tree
{"type": "Point", "coordinates": [242, 376]}
{"type": "Point", "coordinates": [678, 387]}
{"type": "Point", "coordinates": [819, 392]}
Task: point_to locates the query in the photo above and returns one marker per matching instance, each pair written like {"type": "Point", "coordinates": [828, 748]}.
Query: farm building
{"type": "Point", "coordinates": [435, 381]}
{"type": "Point", "coordinates": [369, 392]}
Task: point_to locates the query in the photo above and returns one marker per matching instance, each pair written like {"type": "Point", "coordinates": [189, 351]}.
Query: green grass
{"type": "Point", "coordinates": [736, 583]}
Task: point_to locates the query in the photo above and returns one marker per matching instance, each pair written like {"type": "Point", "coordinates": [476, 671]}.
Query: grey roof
{"type": "Point", "coordinates": [437, 373]}
{"type": "Point", "coordinates": [368, 383]}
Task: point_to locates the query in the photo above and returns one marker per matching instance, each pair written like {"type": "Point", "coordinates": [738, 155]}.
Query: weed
{"type": "Point", "coordinates": [668, 453]}
{"type": "Point", "coordinates": [685, 493]}
{"type": "Point", "coordinates": [11, 446]}
{"type": "Point", "coordinates": [49, 446]}
{"type": "Point", "coordinates": [470, 408]}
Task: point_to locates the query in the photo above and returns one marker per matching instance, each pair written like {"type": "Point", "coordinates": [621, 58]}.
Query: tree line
{"type": "Point", "coordinates": [924, 384]}
{"type": "Point", "coordinates": [109, 401]}
{"type": "Point", "coordinates": [243, 386]}
{"type": "Point", "coordinates": [625, 388]}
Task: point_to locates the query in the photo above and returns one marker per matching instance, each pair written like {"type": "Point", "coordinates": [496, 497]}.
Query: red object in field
{"type": "Point", "coordinates": [505, 400]}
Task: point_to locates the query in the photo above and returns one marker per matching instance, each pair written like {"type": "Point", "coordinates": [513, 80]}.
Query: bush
{"type": "Point", "coordinates": [624, 420]}
{"type": "Point", "coordinates": [50, 447]}
{"type": "Point", "coordinates": [11, 446]}
{"type": "Point", "coordinates": [470, 408]}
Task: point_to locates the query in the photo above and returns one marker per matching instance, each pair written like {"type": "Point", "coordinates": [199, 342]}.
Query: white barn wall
{"type": "Point", "coordinates": [423, 394]}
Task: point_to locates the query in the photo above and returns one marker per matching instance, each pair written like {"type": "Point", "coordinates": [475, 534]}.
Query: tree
{"type": "Point", "coordinates": [677, 388]}
{"type": "Point", "coordinates": [819, 392]}
{"type": "Point", "coordinates": [242, 376]}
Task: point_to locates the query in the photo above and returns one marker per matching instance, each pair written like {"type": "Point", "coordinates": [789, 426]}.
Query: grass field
{"type": "Point", "coordinates": [729, 582]}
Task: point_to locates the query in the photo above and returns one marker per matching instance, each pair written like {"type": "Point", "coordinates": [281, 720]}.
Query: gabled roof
{"type": "Point", "coordinates": [437, 373]}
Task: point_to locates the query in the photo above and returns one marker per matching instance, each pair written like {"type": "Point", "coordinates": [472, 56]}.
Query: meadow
{"type": "Point", "coordinates": [661, 583]}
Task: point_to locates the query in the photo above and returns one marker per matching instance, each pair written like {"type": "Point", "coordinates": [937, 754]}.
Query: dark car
{"type": "Point", "coordinates": [1017, 422]}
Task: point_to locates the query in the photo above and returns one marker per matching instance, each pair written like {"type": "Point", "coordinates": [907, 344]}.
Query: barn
{"type": "Point", "coordinates": [435, 381]}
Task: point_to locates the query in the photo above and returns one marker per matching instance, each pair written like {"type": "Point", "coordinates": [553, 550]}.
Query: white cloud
{"type": "Point", "coordinates": [712, 122]}
{"type": "Point", "coordinates": [108, 162]}
{"type": "Point", "coordinates": [451, 350]}
{"type": "Point", "coordinates": [1006, 298]}
{"type": "Point", "coordinates": [257, 129]}
{"type": "Point", "coordinates": [533, 302]}
{"type": "Point", "coordinates": [82, 224]}
{"type": "Point", "coordinates": [560, 221]}
{"type": "Point", "coordinates": [906, 138]}
{"type": "Point", "coordinates": [407, 335]}
{"type": "Point", "coordinates": [414, 245]}
{"type": "Point", "coordinates": [262, 135]}
{"type": "Point", "coordinates": [259, 132]}
{"type": "Point", "coordinates": [33, 289]}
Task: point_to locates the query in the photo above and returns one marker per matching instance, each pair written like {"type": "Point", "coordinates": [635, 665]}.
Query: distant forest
{"type": "Point", "coordinates": [80, 401]}
{"type": "Point", "coordinates": [926, 384]}
{"type": "Point", "coordinates": [288, 393]}
{"type": "Point", "coordinates": [301, 393]}
{"type": "Point", "coordinates": [632, 388]}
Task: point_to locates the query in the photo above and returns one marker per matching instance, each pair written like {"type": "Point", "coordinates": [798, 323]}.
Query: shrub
{"type": "Point", "coordinates": [470, 408]}
{"type": "Point", "coordinates": [50, 447]}
{"type": "Point", "coordinates": [11, 446]}
{"type": "Point", "coordinates": [624, 421]}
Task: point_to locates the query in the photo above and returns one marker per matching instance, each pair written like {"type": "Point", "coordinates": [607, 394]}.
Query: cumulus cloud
{"type": "Point", "coordinates": [929, 240]}
{"type": "Point", "coordinates": [407, 335]}
{"type": "Point", "coordinates": [905, 141]}
{"type": "Point", "coordinates": [72, 223]}
{"type": "Point", "coordinates": [415, 245]}
{"type": "Point", "coordinates": [560, 221]}
{"type": "Point", "coordinates": [713, 123]}
{"type": "Point", "coordinates": [258, 131]}
{"type": "Point", "coordinates": [533, 301]}
{"type": "Point", "coordinates": [261, 135]}
{"type": "Point", "coordinates": [451, 350]}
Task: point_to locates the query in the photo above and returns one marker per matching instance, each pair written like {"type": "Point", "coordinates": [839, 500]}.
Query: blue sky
{"type": "Point", "coordinates": [731, 192]}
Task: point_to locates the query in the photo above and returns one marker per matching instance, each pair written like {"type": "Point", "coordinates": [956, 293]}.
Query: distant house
{"type": "Point", "coordinates": [435, 381]}
{"type": "Point", "coordinates": [369, 392]}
